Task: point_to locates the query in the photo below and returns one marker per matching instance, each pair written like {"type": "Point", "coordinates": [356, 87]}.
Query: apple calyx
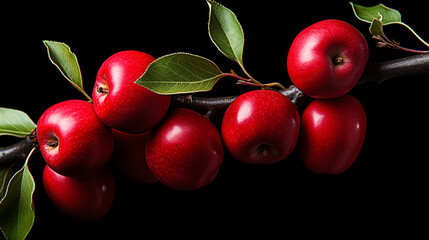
{"type": "Point", "coordinates": [337, 61]}
{"type": "Point", "coordinates": [53, 143]}
{"type": "Point", "coordinates": [264, 149]}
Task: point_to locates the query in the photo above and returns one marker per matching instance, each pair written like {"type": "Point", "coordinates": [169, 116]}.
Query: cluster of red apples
{"type": "Point", "coordinates": [150, 141]}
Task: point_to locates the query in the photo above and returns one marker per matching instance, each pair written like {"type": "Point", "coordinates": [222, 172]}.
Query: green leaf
{"type": "Point", "coordinates": [180, 73]}
{"type": "Point", "coordinates": [5, 175]}
{"type": "Point", "coordinates": [16, 123]}
{"type": "Point", "coordinates": [367, 14]}
{"type": "Point", "coordinates": [226, 32]}
{"type": "Point", "coordinates": [62, 57]}
{"type": "Point", "coordinates": [376, 28]}
{"type": "Point", "coordinates": [380, 16]}
{"type": "Point", "coordinates": [16, 206]}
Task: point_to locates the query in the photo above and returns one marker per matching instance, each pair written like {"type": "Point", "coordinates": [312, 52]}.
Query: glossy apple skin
{"type": "Point", "coordinates": [260, 127]}
{"type": "Point", "coordinates": [185, 151]}
{"type": "Point", "coordinates": [311, 59]}
{"type": "Point", "coordinates": [129, 156]}
{"type": "Point", "coordinates": [86, 198]}
{"type": "Point", "coordinates": [332, 134]}
{"type": "Point", "coordinates": [85, 144]}
{"type": "Point", "coordinates": [127, 106]}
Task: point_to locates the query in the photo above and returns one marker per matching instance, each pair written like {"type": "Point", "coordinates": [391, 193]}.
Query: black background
{"type": "Point", "coordinates": [384, 189]}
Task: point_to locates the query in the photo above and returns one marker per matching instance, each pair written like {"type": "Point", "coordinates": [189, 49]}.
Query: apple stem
{"type": "Point", "coordinates": [253, 82]}
{"type": "Point", "coordinates": [18, 152]}
{"type": "Point", "coordinates": [385, 42]}
{"type": "Point", "coordinates": [102, 90]}
{"type": "Point", "coordinates": [53, 143]}
{"type": "Point", "coordinates": [241, 82]}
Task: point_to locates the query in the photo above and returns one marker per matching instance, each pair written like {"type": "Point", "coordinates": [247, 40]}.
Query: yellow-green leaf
{"type": "Point", "coordinates": [16, 123]}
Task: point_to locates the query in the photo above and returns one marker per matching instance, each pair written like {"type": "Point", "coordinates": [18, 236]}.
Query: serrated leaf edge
{"type": "Point", "coordinates": [18, 133]}
{"type": "Point", "coordinates": [238, 59]}
{"type": "Point", "coordinates": [183, 53]}
{"type": "Point", "coordinates": [220, 76]}
{"type": "Point", "coordinates": [79, 88]}
{"type": "Point", "coordinates": [59, 68]}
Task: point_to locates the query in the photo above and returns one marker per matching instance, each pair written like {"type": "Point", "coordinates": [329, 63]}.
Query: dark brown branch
{"type": "Point", "coordinates": [18, 152]}
{"type": "Point", "coordinates": [202, 104]}
{"type": "Point", "coordinates": [381, 71]}
{"type": "Point", "coordinates": [219, 104]}
{"type": "Point", "coordinates": [376, 72]}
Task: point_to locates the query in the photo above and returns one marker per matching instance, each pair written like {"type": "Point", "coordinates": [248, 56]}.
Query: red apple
{"type": "Point", "coordinates": [122, 104]}
{"type": "Point", "coordinates": [85, 198]}
{"type": "Point", "coordinates": [72, 139]}
{"type": "Point", "coordinates": [185, 151]}
{"type": "Point", "coordinates": [332, 134]}
{"type": "Point", "coordinates": [260, 127]}
{"type": "Point", "coordinates": [129, 156]}
{"type": "Point", "coordinates": [327, 59]}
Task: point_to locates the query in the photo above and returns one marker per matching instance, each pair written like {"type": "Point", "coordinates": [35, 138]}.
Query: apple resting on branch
{"type": "Point", "coordinates": [142, 108]}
